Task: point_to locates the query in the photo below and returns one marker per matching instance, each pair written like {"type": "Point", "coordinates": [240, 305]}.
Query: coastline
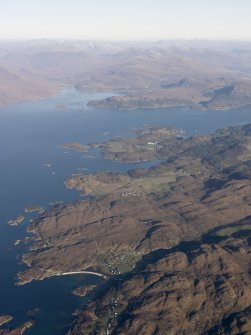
{"type": "Point", "coordinates": [188, 107]}
{"type": "Point", "coordinates": [55, 92]}
{"type": "Point", "coordinates": [22, 281]}
{"type": "Point", "coordinates": [60, 274]}
{"type": "Point", "coordinates": [61, 87]}
{"type": "Point", "coordinates": [5, 319]}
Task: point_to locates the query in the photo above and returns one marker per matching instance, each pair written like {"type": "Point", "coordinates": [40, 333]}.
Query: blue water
{"type": "Point", "coordinates": [30, 135]}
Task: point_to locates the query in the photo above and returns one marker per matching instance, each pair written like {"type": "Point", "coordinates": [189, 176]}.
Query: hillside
{"type": "Point", "coordinates": [144, 75]}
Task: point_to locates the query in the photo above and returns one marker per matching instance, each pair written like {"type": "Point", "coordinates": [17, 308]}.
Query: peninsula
{"type": "Point", "coordinates": [147, 202]}
{"type": "Point", "coordinates": [144, 145]}
{"type": "Point", "coordinates": [5, 319]}
{"type": "Point", "coordinates": [133, 230]}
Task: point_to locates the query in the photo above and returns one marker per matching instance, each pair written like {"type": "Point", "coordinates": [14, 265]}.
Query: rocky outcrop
{"type": "Point", "coordinates": [206, 290]}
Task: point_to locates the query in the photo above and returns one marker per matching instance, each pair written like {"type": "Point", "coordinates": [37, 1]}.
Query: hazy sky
{"type": "Point", "coordinates": [126, 19]}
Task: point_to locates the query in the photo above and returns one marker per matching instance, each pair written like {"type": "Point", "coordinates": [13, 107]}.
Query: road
{"type": "Point", "coordinates": [82, 272]}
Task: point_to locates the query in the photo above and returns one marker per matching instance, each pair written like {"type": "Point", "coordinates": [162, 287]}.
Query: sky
{"type": "Point", "coordinates": [125, 19]}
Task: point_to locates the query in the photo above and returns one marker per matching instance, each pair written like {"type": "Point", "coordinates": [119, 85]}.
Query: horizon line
{"type": "Point", "coordinates": [28, 39]}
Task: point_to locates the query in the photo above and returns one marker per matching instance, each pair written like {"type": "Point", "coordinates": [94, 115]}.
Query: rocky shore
{"type": "Point", "coordinates": [5, 319]}
{"type": "Point", "coordinates": [17, 331]}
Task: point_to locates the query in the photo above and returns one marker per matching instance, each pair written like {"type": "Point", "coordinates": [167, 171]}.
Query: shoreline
{"type": "Point", "coordinates": [188, 107]}
{"type": "Point", "coordinates": [59, 90]}
{"type": "Point", "coordinates": [54, 93]}
{"type": "Point", "coordinates": [22, 281]}
{"type": "Point", "coordinates": [5, 319]}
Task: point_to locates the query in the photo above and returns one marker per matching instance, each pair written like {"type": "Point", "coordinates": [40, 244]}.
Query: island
{"type": "Point", "coordinates": [172, 240]}
{"type": "Point", "coordinates": [32, 209]}
{"type": "Point", "coordinates": [75, 146]}
{"type": "Point", "coordinates": [82, 291]}
{"type": "Point", "coordinates": [17, 221]}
